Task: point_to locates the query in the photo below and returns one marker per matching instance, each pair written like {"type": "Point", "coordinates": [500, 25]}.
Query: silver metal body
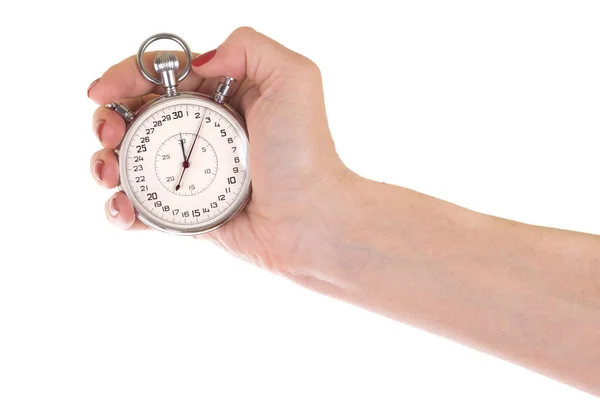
{"type": "Point", "coordinates": [166, 65]}
{"type": "Point", "coordinates": [122, 110]}
{"type": "Point", "coordinates": [154, 38]}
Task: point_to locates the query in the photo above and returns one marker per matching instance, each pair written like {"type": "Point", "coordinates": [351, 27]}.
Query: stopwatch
{"type": "Point", "coordinates": [184, 159]}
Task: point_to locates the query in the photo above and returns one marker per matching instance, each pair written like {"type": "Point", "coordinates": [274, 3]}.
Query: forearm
{"type": "Point", "coordinates": [527, 294]}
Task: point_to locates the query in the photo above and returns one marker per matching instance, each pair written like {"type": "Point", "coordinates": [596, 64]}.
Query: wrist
{"type": "Point", "coordinates": [510, 289]}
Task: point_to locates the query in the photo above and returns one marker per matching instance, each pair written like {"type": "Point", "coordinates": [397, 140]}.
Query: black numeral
{"type": "Point", "coordinates": [185, 214]}
{"type": "Point", "coordinates": [236, 170]}
{"type": "Point", "coordinates": [152, 196]}
{"type": "Point", "coordinates": [166, 208]}
{"type": "Point", "coordinates": [196, 213]}
{"type": "Point", "coordinates": [229, 140]}
{"type": "Point", "coordinates": [144, 188]}
{"type": "Point", "coordinates": [177, 114]}
{"type": "Point", "coordinates": [175, 211]}
{"type": "Point", "coordinates": [170, 179]}
{"type": "Point", "coordinates": [141, 148]}
{"type": "Point", "coordinates": [158, 203]}
{"type": "Point", "coordinates": [138, 168]}
{"type": "Point", "coordinates": [139, 179]}
{"type": "Point", "coordinates": [227, 190]}
{"type": "Point", "coordinates": [205, 210]}
{"type": "Point", "coordinates": [217, 125]}
{"type": "Point", "coordinates": [207, 171]}
{"type": "Point", "coordinates": [166, 118]}
{"type": "Point", "coordinates": [207, 120]}
{"type": "Point", "coordinates": [231, 180]}
{"type": "Point", "coordinates": [213, 205]}
{"type": "Point", "coordinates": [197, 115]}
{"type": "Point", "coordinates": [221, 197]}
{"type": "Point", "coordinates": [144, 139]}
{"type": "Point", "coordinates": [203, 149]}
{"type": "Point", "coordinates": [156, 123]}
{"type": "Point", "coordinates": [233, 148]}
{"type": "Point", "coordinates": [166, 157]}
{"type": "Point", "coordinates": [223, 133]}
{"type": "Point", "coordinates": [236, 160]}
{"type": "Point", "coordinates": [192, 187]}
{"type": "Point", "coordinates": [138, 158]}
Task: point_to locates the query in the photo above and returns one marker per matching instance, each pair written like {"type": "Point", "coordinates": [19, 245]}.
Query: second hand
{"type": "Point", "coordinates": [186, 163]}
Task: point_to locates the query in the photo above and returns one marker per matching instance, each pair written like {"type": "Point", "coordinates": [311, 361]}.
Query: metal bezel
{"type": "Point", "coordinates": [140, 212]}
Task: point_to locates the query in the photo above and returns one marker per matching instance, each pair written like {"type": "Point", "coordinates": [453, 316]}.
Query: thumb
{"type": "Point", "coordinates": [252, 55]}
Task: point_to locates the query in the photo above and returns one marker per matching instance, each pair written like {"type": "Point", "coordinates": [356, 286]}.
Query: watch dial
{"type": "Point", "coordinates": [185, 164]}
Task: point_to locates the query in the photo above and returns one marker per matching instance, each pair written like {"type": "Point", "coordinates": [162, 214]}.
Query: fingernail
{"type": "Point", "coordinates": [97, 170]}
{"type": "Point", "coordinates": [113, 208]}
{"type": "Point", "coordinates": [91, 86]}
{"type": "Point", "coordinates": [204, 58]}
{"type": "Point", "coordinates": [98, 129]}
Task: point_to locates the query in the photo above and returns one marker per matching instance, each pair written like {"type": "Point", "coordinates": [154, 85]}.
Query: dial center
{"type": "Point", "coordinates": [182, 171]}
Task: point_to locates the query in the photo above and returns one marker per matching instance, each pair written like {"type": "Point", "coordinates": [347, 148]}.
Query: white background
{"type": "Point", "coordinates": [493, 105]}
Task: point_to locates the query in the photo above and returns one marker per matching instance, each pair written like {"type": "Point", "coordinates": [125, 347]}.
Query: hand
{"type": "Point", "coordinates": [524, 293]}
{"type": "Point", "coordinates": [297, 176]}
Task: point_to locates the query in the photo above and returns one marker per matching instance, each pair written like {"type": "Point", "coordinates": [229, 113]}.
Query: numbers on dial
{"type": "Point", "coordinates": [178, 188]}
{"type": "Point", "coordinates": [202, 165]}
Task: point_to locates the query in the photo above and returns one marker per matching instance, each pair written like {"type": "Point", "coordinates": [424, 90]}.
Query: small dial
{"type": "Point", "coordinates": [174, 156]}
{"type": "Point", "coordinates": [184, 164]}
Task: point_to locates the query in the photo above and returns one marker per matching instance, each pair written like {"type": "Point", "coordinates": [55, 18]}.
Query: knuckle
{"type": "Point", "coordinates": [310, 67]}
{"type": "Point", "coordinates": [306, 69]}
{"type": "Point", "coordinates": [243, 32]}
{"type": "Point", "coordinates": [298, 73]}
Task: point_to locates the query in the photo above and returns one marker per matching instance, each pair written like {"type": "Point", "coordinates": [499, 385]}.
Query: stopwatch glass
{"type": "Point", "coordinates": [184, 164]}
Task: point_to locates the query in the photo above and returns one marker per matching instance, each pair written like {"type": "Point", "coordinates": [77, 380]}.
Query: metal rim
{"type": "Point", "coordinates": [244, 196]}
{"type": "Point", "coordinates": [160, 36]}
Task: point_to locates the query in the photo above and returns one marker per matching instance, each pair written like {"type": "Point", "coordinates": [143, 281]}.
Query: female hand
{"type": "Point", "coordinates": [527, 294]}
{"type": "Point", "coordinates": [296, 173]}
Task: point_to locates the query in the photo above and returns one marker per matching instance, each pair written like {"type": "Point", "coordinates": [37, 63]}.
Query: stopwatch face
{"type": "Point", "coordinates": [184, 164]}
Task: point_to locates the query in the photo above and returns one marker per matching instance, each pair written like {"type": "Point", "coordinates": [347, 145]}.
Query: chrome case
{"type": "Point", "coordinates": [166, 65]}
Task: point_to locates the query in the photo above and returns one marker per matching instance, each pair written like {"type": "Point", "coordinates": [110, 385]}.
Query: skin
{"type": "Point", "coordinates": [527, 294]}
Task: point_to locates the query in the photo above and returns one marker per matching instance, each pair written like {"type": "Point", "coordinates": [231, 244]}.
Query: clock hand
{"type": "Point", "coordinates": [186, 163]}
{"type": "Point", "coordinates": [182, 148]}
{"type": "Point", "coordinates": [196, 138]}
{"type": "Point", "coordinates": [185, 166]}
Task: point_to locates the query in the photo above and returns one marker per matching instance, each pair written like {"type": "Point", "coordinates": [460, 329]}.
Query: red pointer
{"type": "Point", "coordinates": [186, 163]}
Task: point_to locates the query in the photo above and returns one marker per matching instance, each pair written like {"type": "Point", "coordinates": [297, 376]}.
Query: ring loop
{"type": "Point", "coordinates": [154, 38]}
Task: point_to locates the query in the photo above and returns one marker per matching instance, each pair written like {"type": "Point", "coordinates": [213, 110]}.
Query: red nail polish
{"type": "Point", "coordinates": [204, 58]}
{"type": "Point", "coordinates": [91, 86]}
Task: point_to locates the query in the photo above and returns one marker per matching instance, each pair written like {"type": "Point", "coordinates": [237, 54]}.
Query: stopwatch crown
{"type": "Point", "coordinates": [224, 89]}
{"type": "Point", "coordinates": [166, 61]}
{"type": "Point", "coordinates": [166, 64]}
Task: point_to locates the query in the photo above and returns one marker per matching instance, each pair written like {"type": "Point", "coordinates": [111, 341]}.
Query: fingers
{"type": "Point", "coordinates": [249, 54]}
{"type": "Point", "coordinates": [109, 127]}
{"type": "Point", "coordinates": [119, 211]}
{"type": "Point", "coordinates": [125, 80]}
{"type": "Point", "coordinates": [245, 95]}
{"type": "Point", "coordinates": [104, 167]}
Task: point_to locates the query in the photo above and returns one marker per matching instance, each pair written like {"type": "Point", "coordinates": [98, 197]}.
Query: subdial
{"type": "Point", "coordinates": [173, 157]}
